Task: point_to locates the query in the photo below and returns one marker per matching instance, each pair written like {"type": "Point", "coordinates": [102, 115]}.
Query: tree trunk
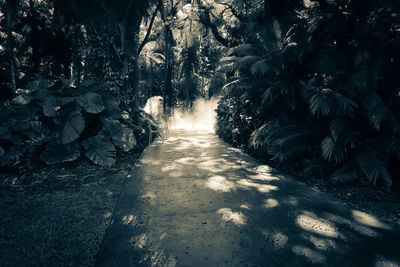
{"type": "Point", "coordinates": [76, 64]}
{"type": "Point", "coordinates": [168, 69]}
{"type": "Point", "coordinates": [134, 59]}
{"type": "Point", "coordinates": [10, 52]}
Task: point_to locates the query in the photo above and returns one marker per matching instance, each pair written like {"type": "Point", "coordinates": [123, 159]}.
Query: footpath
{"type": "Point", "coordinates": [192, 200]}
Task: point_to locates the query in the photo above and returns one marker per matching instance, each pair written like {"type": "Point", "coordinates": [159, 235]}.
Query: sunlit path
{"type": "Point", "coordinates": [194, 201]}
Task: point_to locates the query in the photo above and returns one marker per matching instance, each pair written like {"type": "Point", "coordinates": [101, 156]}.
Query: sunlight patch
{"type": "Point", "coordinates": [184, 160]}
{"type": "Point", "coordinates": [264, 177]}
{"type": "Point", "coordinates": [176, 174]}
{"type": "Point", "coordinates": [313, 256]}
{"type": "Point", "coordinates": [236, 217]}
{"type": "Point", "coordinates": [150, 161]}
{"type": "Point", "coordinates": [291, 201]}
{"type": "Point", "coordinates": [245, 206]}
{"type": "Point", "coordinates": [107, 215]}
{"type": "Point", "coordinates": [129, 219]}
{"type": "Point", "coordinates": [149, 195]}
{"type": "Point", "coordinates": [356, 226]}
{"type": "Point", "coordinates": [220, 183]}
{"type": "Point", "coordinates": [270, 203]}
{"type": "Point", "coordinates": [163, 236]}
{"type": "Point", "coordinates": [369, 220]}
{"type": "Point", "coordinates": [322, 244]}
{"type": "Point", "coordinates": [139, 241]}
{"type": "Point", "coordinates": [277, 239]}
{"type": "Point", "coordinates": [213, 166]}
{"type": "Point", "coordinates": [168, 168]}
{"type": "Point", "coordinates": [263, 188]}
{"type": "Point", "coordinates": [263, 169]}
{"type": "Point", "coordinates": [316, 225]}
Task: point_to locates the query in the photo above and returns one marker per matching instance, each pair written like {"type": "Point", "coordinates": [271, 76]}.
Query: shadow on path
{"type": "Point", "coordinates": [194, 201]}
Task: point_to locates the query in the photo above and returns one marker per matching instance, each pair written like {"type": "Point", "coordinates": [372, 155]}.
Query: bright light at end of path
{"type": "Point", "coordinates": [200, 117]}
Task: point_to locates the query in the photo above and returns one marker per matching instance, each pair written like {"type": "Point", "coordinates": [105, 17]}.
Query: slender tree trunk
{"type": "Point", "coordinates": [151, 78]}
{"type": "Point", "coordinates": [10, 51]}
{"type": "Point", "coordinates": [168, 68]}
{"type": "Point", "coordinates": [76, 64]}
{"type": "Point", "coordinates": [134, 58]}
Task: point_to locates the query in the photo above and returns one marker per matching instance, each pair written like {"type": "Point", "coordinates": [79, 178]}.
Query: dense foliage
{"type": "Point", "coordinates": [55, 123]}
{"type": "Point", "coordinates": [68, 77]}
{"type": "Point", "coordinates": [313, 86]}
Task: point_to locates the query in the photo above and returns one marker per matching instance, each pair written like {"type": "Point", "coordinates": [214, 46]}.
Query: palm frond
{"type": "Point", "coordinates": [372, 167]}
{"type": "Point", "coordinates": [319, 104]}
{"type": "Point", "coordinates": [241, 50]}
{"type": "Point", "coordinates": [245, 62]}
{"type": "Point", "coordinates": [345, 174]}
{"type": "Point", "coordinates": [291, 141]}
{"type": "Point", "coordinates": [261, 67]}
{"type": "Point", "coordinates": [236, 83]}
{"type": "Point", "coordinates": [341, 104]}
{"type": "Point", "coordinates": [277, 89]}
{"type": "Point", "coordinates": [332, 149]}
{"type": "Point", "coordinates": [259, 137]}
{"type": "Point", "coordinates": [378, 112]}
{"type": "Point", "coordinates": [344, 131]}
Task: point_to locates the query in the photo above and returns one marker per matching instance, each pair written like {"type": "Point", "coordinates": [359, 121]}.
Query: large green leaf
{"type": "Point", "coordinates": [56, 153]}
{"type": "Point", "coordinates": [39, 84]}
{"type": "Point", "coordinates": [112, 108]}
{"type": "Point", "coordinates": [22, 99]}
{"type": "Point", "coordinates": [24, 113]}
{"type": "Point", "coordinates": [91, 102]}
{"type": "Point", "coordinates": [71, 126]}
{"type": "Point", "coordinates": [100, 150]}
{"type": "Point", "coordinates": [12, 156]}
{"type": "Point", "coordinates": [121, 135]}
{"type": "Point", "coordinates": [51, 105]}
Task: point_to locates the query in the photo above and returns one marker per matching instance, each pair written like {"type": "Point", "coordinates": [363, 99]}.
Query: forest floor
{"type": "Point", "coordinates": [57, 216]}
{"type": "Point", "coordinates": [383, 204]}
{"type": "Point", "coordinates": [195, 201]}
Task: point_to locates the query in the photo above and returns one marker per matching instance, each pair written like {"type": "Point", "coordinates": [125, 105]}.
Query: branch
{"type": "Point", "coordinates": [146, 38]}
{"type": "Point", "coordinates": [233, 11]}
{"type": "Point", "coordinates": [206, 21]}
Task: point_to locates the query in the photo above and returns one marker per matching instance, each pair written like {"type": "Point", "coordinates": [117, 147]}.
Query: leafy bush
{"type": "Point", "coordinates": [57, 123]}
{"type": "Point", "coordinates": [323, 97]}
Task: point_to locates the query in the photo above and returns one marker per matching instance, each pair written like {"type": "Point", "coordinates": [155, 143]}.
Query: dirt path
{"type": "Point", "coordinates": [194, 201]}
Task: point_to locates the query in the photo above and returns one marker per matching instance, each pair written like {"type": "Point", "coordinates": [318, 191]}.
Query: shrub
{"type": "Point", "coordinates": [55, 123]}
